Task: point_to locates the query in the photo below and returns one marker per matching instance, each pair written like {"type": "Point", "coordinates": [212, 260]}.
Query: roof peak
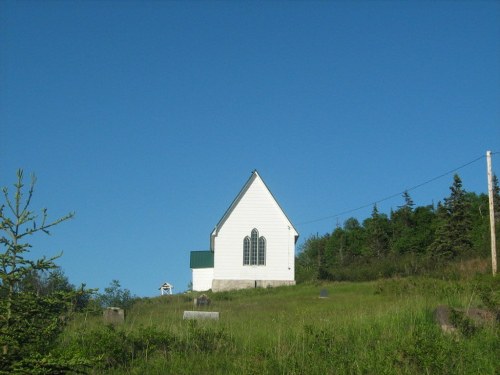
{"type": "Point", "coordinates": [242, 192]}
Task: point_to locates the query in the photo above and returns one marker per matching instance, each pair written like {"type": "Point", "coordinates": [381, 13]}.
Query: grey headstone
{"type": "Point", "coordinates": [114, 315]}
{"type": "Point", "coordinates": [201, 315]}
{"type": "Point", "coordinates": [442, 317]}
{"type": "Point", "coordinates": [323, 293]}
{"type": "Point", "coordinates": [202, 300]}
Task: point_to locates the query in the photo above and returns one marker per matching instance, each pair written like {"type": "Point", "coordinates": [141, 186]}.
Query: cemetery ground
{"type": "Point", "coordinates": [379, 327]}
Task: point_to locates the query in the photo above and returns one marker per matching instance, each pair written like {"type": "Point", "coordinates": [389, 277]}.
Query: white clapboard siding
{"type": "Point", "coordinates": [254, 208]}
{"type": "Point", "coordinates": [202, 279]}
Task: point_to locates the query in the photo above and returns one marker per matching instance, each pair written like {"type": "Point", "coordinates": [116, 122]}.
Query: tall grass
{"type": "Point", "coordinates": [383, 327]}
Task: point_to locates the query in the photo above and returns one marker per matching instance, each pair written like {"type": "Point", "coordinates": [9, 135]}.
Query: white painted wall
{"type": "Point", "coordinates": [256, 209]}
{"type": "Point", "coordinates": [202, 279]}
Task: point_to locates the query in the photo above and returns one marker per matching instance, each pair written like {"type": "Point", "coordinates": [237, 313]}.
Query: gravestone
{"type": "Point", "coordinates": [479, 317]}
{"type": "Point", "coordinates": [195, 315]}
{"type": "Point", "coordinates": [442, 317]}
{"type": "Point", "coordinates": [202, 300]}
{"type": "Point", "coordinates": [323, 293]}
{"type": "Point", "coordinates": [114, 315]}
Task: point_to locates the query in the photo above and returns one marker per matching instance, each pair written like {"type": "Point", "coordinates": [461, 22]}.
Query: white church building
{"type": "Point", "coordinates": [253, 244]}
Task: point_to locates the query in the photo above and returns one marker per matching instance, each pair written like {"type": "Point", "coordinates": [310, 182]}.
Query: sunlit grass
{"type": "Point", "coordinates": [383, 327]}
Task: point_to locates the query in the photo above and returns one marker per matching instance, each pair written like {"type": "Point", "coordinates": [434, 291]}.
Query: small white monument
{"type": "Point", "coordinates": [196, 315]}
{"type": "Point", "coordinates": [166, 288]}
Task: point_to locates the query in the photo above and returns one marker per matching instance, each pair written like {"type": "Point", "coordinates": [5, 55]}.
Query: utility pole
{"type": "Point", "coordinates": [492, 215]}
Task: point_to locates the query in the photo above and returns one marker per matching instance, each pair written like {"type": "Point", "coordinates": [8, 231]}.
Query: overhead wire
{"type": "Point", "coordinates": [395, 195]}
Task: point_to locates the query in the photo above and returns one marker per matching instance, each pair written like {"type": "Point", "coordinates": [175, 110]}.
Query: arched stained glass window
{"type": "Point", "coordinates": [254, 249]}
{"type": "Point", "coordinates": [246, 251]}
{"type": "Point", "coordinates": [261, 261]}
{"type": "Point", "coordinates": [253, 246]}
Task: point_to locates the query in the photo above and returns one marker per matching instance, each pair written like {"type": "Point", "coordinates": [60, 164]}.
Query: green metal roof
{"type": "Point", "coordinates": [201, 259]}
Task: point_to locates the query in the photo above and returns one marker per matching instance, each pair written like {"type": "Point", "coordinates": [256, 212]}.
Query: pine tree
{"type": "Point", "coordinates": [403, 227]}
{"type": "Point", "coordinates": [442, 247]}
{"type": "Point", "coordinates": [407, 209]}
{"type": "Point", "coordinates": [377, 228]}
{"type": "Point", "coordinates": [29, 321]}
{"type": "Point", "coordinates": [354, 238]}
{"type": "Point", "coordinates": [452, 236]}
{"type": "Point", "coordinates": [459, 225]}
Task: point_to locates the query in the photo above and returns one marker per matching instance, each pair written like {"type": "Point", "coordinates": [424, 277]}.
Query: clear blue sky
{"type": "Point", "coordinates": [146, 118]}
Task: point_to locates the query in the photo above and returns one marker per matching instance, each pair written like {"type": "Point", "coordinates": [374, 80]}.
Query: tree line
{"type": "Point", "coordinates": [408, 241]}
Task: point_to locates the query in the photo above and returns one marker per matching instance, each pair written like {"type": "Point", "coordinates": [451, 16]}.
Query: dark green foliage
{"type": "Point", "coordinates": [33, 307]}
{"type": "Point", "coordinates": [442, 247]}
{"type": "Point", "coordinates": [47, 283]}
{"type": "Point", "coordinates": [37, 364]}
{"type": "Point", "coordinates": [480, 224]}
{"type": "Point", "coordinates": [378, 232]}
{"type": "Point", "coordinates": [35, 323]}
{"type": "Point", "coordinates": [464, 324]}
{"type": "Point", "coordinates": [458, 206]}
{"type": "Point", "coordinates": [411, 241]}
{"type": "Point", "coordinates": [496, 197]}
{"type": "Point", "coordinates": [452, 237]}
{"type": "Point", "coordinates": [106, 347]}
{"type": "Point", "coordinates": [406, 224]}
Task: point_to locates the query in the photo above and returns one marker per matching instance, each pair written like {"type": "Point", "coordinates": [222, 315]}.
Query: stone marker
{"type": "Point", "coordinates": [188, 315]}
{"type": "Point", "coordinates": [323, 293]}
{"type": "Point", "coordinates": [202, 300]}
{"type": "Point", "coordinates": [442, 317]}
{"type": "Point", "coordinates": [114, 315]}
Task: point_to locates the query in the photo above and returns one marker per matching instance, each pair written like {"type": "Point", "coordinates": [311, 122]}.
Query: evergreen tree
{"type": "Point", "coordinates": [453, 229]}
{"type": "Point", "coordinates": [355, 242]}
{"type": "Point", "coordinates": [442, 246]}
{"type": "Point", "coordinates": [30, 321]}
{"type": "Point", "coordinates": [459, 226]}
{"type": "Point", "coordinates": [480, 223]}
{"type": "Point", "coordinates": [336, 244]}
{"type": "Point", "coordinates": [424, 219]}
{"type": "Point", "coordinates": [403, 228]}
{"type": "Point", "coordinates": [452, 237]}
{"type": "Point", "coordinates": [406, 210]}
{"type": "Point", "coordinates": [377, 231]}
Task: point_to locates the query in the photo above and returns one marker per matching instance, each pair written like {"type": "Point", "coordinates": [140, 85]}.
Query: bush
{"type": "Point", "coordinates": [115, 296]}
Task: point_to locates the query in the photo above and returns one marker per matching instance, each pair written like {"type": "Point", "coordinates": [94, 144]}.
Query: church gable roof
{"type": "Point", "coordinates": [255, 175]}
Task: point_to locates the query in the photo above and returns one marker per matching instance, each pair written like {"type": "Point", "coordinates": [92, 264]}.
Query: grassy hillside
{"type": "Point", "coordinates": [383, 327]}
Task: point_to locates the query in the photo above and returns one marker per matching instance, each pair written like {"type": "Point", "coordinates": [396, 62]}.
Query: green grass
{"type": "Point", "coordinates": [383, 327]}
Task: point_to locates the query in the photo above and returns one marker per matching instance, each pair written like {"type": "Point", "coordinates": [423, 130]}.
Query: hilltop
{"type": "Point", "coordinates": [384, 326]}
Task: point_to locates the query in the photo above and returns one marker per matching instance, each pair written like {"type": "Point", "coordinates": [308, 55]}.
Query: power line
{"type": "Point", "coordinates": [397, 194]}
